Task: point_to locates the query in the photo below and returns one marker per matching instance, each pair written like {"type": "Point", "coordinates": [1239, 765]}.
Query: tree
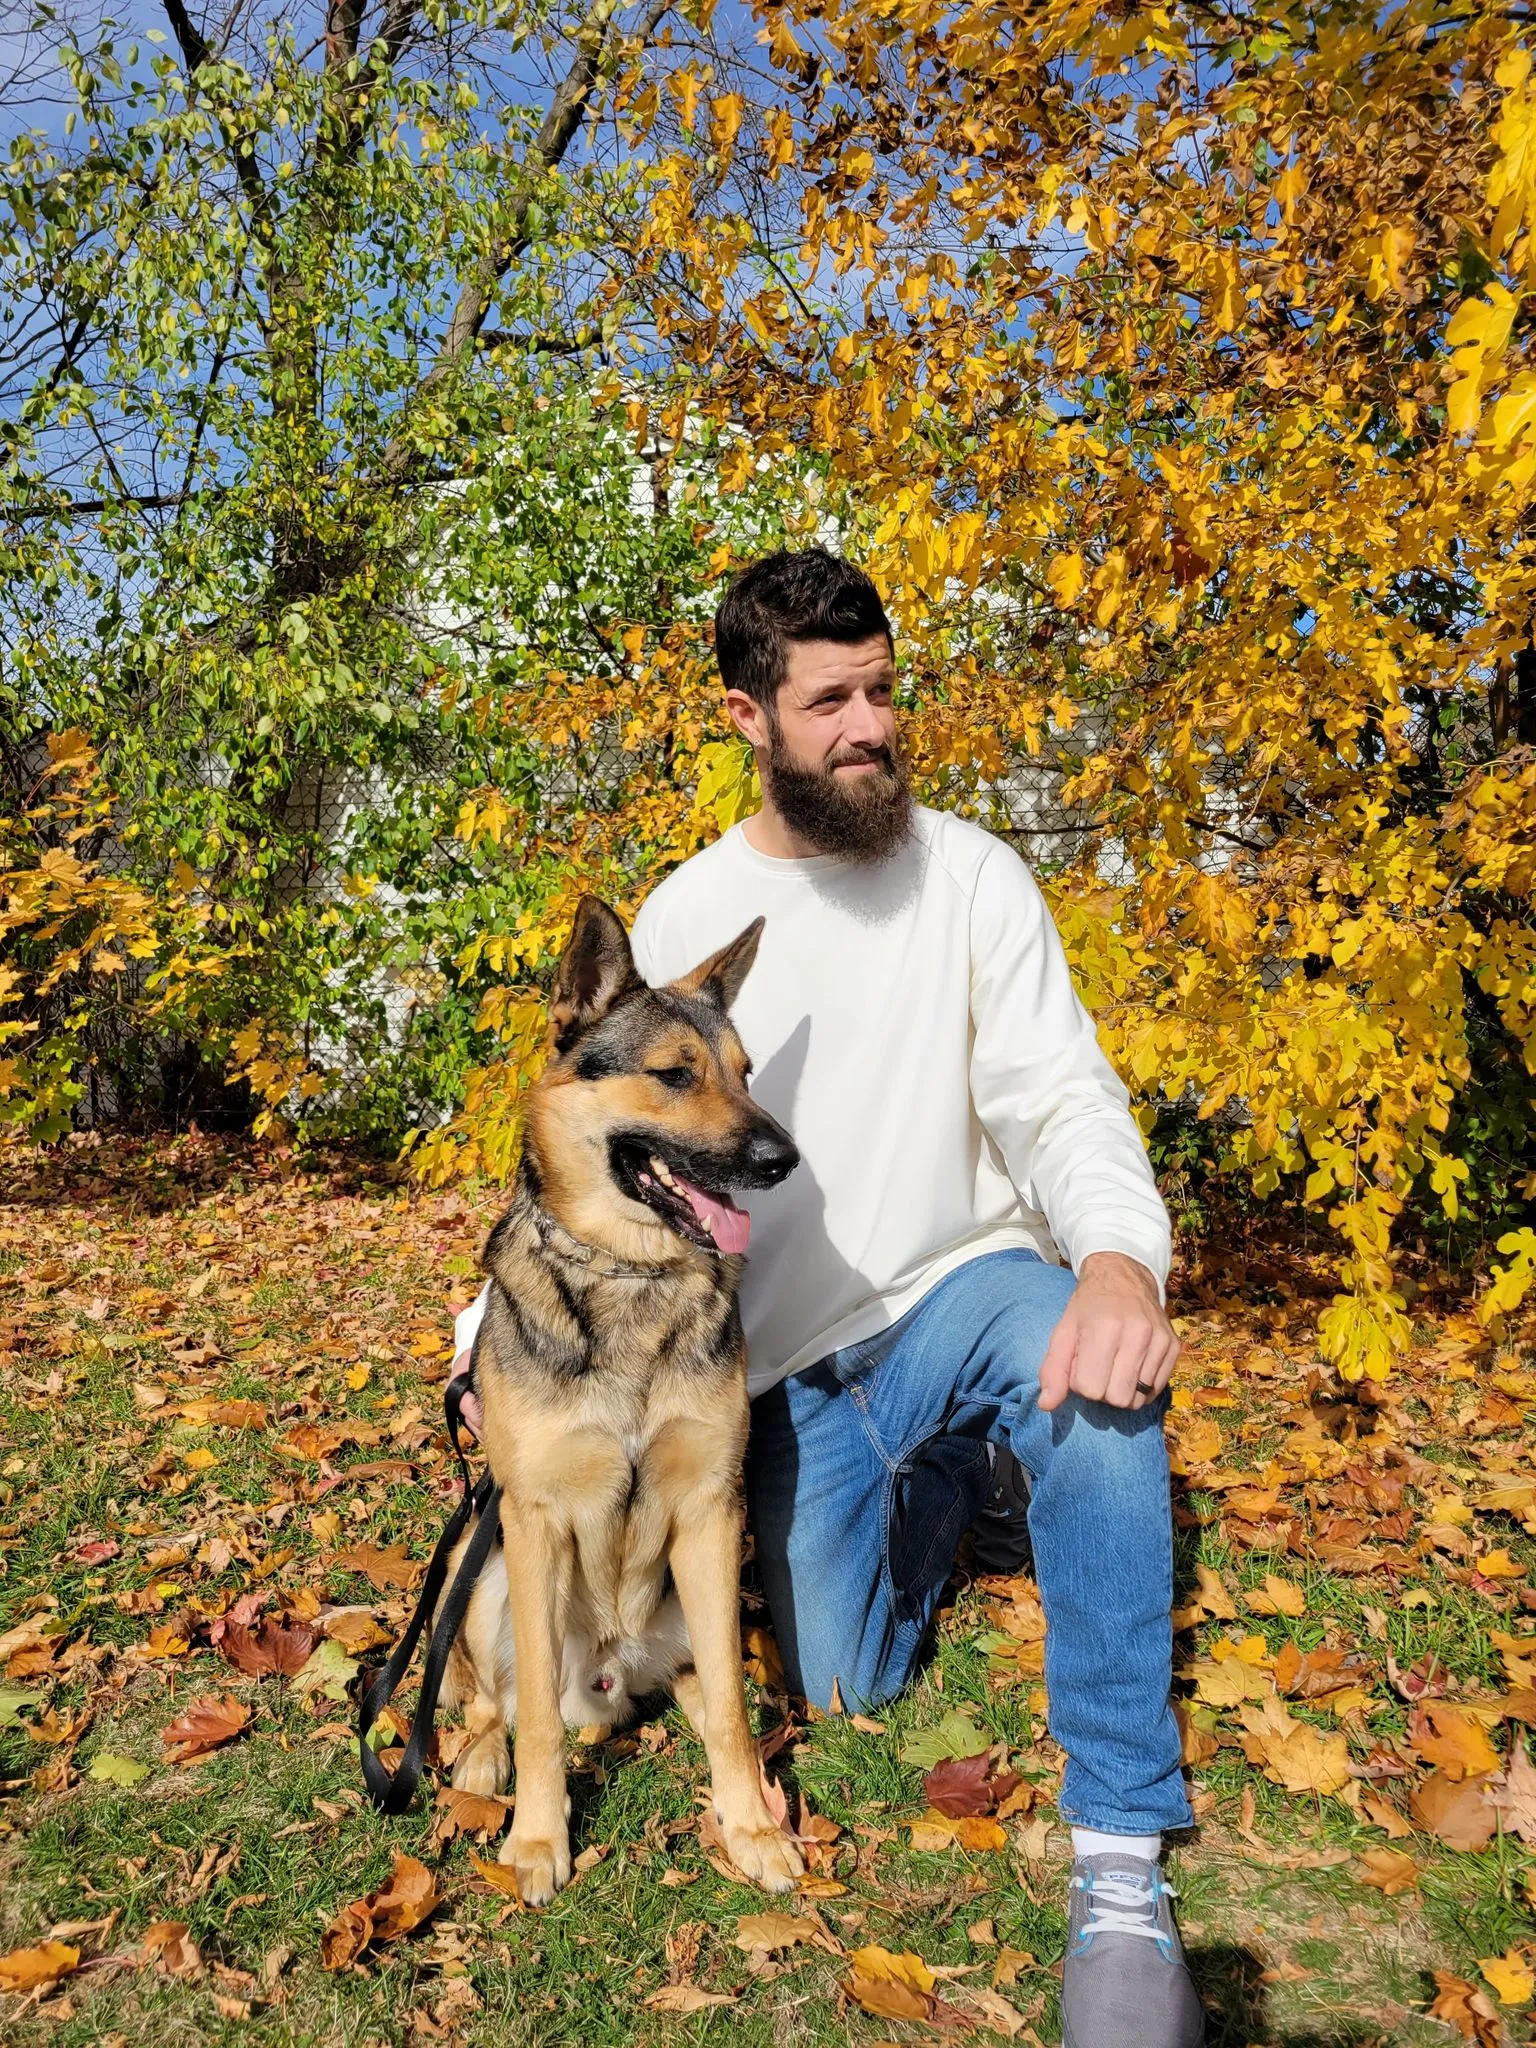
{"type": "Point", "coordinates": [1173, 370]}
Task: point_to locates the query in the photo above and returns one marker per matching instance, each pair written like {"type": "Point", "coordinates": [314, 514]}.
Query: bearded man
{"type": "Point", "coordinates": [967, 1268]}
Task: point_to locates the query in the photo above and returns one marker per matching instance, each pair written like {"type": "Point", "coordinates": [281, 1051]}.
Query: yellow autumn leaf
{"type": "Point", "coordinates": [1511, 1977]}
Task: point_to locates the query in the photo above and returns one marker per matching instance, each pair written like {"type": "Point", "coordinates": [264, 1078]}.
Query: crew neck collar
{"type": "Point", "coordinates": [789, 866]}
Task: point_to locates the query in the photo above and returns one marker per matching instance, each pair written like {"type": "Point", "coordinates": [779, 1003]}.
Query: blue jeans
{"type": "Point", "coordinates": [864, 1471]}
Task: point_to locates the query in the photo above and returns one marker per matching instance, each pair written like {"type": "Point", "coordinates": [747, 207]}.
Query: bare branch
{"type": "Point", "coordinates": [566, 110]}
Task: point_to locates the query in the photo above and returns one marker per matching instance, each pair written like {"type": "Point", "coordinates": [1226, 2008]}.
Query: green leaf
{"type": "Point", "coordinates": [108, 1769]}
{"type": "Point", "coordinates": [328, 1671]}
{"type": "Point", "coordinates": [12, 1705]}
{"type": "Point", "coordinates": [956, 1735]}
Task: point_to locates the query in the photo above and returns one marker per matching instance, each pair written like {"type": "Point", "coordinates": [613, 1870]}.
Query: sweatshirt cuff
{"type": "Point", "coordinates": [1156, 1259]}
{"type": "Point", "coordinates": [468, 1320]}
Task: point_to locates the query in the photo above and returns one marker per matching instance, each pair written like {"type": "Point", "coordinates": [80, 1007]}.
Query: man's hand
{"type": "Point", "coordinates": [469, 1407]}
{"type": "Point", "coordinates": [1115, 1342]}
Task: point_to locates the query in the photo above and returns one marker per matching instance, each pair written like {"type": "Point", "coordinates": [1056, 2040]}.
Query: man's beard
{"type": "Point", "coordinates": [863, 819]}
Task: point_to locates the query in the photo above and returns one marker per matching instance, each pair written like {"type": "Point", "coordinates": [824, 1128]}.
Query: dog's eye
{"type": "Point", "coordinates": [672, 1077]}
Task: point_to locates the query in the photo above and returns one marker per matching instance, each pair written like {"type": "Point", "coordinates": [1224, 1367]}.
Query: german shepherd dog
{"type": "Point", "coordinates": [612, 1379]}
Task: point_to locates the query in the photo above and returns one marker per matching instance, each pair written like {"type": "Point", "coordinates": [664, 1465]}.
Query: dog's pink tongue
{"type": "Point", "coordinates": [729, 1226]}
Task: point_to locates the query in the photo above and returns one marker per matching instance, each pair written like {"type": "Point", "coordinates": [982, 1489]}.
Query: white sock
{"type": "Point", "coordinates": [1089, 1842]}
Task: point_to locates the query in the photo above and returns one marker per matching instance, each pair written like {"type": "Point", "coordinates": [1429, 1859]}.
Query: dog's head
{"type": "Point", "coordinates": [641, 1125]}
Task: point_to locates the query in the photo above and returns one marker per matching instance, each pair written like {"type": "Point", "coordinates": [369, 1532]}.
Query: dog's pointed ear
{"type": "Point", "coordinates": [718, 979]}
{"type": "Point", "coordinates": [596, 969]}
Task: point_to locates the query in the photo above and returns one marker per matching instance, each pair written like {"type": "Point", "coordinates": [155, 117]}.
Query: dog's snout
{"type": "Point", "coordinates": [771, 1155]}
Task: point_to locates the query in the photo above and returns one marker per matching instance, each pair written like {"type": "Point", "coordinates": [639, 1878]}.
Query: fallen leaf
{"type": "Point", "coordinates": [1382, 1813]}
{"type": "Point", "coordinates": [1510, 1975]}
{"type": "Point", "coordinates": [969, 1831]}
{"type": "Point", "coordinates": [761, 1659]}
{"type": "Point", "coordinates": [1514, 1795]}
{"type": "Point", "coordinates": [174, 1951]}
{"type": "Point", "coordinates": [28, 1969]}
{"type": "Point", "coordinates": [1307, 1760]}
{"type": "Point", "coordinates": [955, 1736]}
{"type": "Point", "coordinates": [268, 1648]}
{"type": "Point", "coordinates": [1278, 1596]}
{"type": "Point", "coordinates": [964, 1785]}
{"type": "Point", "coordinates": [469, 1813]}
{"type": "Point", "coordinates": [167, 1639]}
{"type": "Point", "coordinates": [330, 1671]}
{"type": "Point", "coordinates": [1498, 1564]}
{"type": "Point", "coordinates": [766, 1932]}
{"type": "Point", "coordinates": [893, 1967]}
{"type": "Point", "coordinates": [1210, 1601]}
{"type": "Point", "coordinates": [383, 1568]}
{"type": "Point", "coordinates": [501, 1877]}
{"type": "Point", "coordinates": [1461, 2005]}
{"type": "Point", "coordinates": [1460, 1813]}
{"type": "Point", "coordinates": [1010, 1964]}
{"type": "Point", "coordinates": [996, 2011]}
{"type": "Point", "coordinates": [401, 1903]}
{"type": "Point", "coordinates": [108, 1769]}
{"type": "Point", "coordinates": [1451, 1741]}
{"type": "Point", "coordinates": [13, 1705]}
{"type": "Point", "coordinates": [205, 1726]}
{"type": "Point", "coordinates": [1389, 1870]}
{"type": "Point", "coordinates": [685, 1998]}
{"type": "Point", "coordinates": [355, 1628]}
{"type": "Point", "coordinates": [224, 1414]}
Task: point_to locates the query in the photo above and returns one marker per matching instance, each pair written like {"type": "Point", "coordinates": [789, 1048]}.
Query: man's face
{"type": "Point", "coordinates": [828, 751]}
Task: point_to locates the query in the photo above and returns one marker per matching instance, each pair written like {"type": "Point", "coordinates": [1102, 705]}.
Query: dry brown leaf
{"type": "Point", "coordinates": [268, 1648]}
{"type": "Point", "coordinates": [469, 1813]}
{"type": "Point", "coordinates": [965, 1785]}
{"type": "Point", "coordinates": [686, 1998]}
{"type": "Point", "coordinates": [356, 1629]}
{"type": "Point", "coordinates": [997, 2012]}
{"type": "Point", "coordinates": [382, 1568]}
{"type": "Point", "coordinates": [1210, 1601]}
{"type": "Point", "coordinates": [1389, 1870]}
{"type": "Point", "coordinates": [401, 1903]}
{"type": "Point", "coordinates": [1382, 1813]}
{"type": "Point", "coordinates": [174, 1951]}
{"type": "Point", "coordinates": [206, 1725]}
{"type": "Point", "coordinates": [1461, 2005]}
{"type": "Point", "coordinates": [1461, 1813]}
{"type": "Point", "coordinates": [30, 1969]}
{"type": "Point", "coordinates": [1514, 1795]}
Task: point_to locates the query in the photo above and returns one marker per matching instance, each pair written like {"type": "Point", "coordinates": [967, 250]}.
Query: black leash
{"type": "Point", "coordinates": [393, 1792]}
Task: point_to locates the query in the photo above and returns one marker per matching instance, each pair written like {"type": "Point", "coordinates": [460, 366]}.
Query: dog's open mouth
{"type": "Point", "coordinates": [705, 1216]}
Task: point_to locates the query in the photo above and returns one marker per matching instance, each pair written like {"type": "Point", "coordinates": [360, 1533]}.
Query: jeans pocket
{"type": "Point", "coordinates": [936, 1496]}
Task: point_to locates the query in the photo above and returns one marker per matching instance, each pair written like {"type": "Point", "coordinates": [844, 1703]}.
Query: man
{"type": "Point", "coordinates": [911, 1020]}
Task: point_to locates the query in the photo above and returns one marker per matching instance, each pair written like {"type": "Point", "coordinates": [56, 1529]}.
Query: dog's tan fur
{"type": "Point", "coordinates": [612, 1377]}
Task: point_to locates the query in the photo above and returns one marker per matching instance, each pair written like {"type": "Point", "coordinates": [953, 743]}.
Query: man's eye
{"type": "Point", "coordinates": [673, 1077]}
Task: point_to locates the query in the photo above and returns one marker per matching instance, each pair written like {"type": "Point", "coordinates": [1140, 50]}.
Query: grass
{"type": "Point", "coordinates": [210, 1269]}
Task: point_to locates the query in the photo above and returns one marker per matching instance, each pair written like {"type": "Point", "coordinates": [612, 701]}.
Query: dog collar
{"type": "Point", "coordinates": [554, 1237]}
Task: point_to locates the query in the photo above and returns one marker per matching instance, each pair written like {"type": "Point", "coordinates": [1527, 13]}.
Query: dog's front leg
{"type": "Point", "coordinates": [538, 1582]}
{"type": "Point", "coordinates": [706, 1566]}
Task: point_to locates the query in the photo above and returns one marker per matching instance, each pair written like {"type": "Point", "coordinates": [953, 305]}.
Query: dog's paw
{"type": "Point", "coordinates": [542, 1867]}
{"type": "Point", "coordinates": [482, 1769]}
{"type": "Point", "coordinates": [763, 1853]}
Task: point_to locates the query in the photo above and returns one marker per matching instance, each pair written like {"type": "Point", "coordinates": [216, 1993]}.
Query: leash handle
{"type": "Point", "coordinates": [394, 1793]}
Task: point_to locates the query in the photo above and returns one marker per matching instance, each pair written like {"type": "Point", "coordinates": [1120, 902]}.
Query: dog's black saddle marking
{"type": "Point", "coordinates": [394, 1793]}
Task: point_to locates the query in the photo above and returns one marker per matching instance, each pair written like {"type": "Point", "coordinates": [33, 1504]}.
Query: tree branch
{"type": "Point", "coordinates": [195, 54]}
{"type": "Point", "coordinates": [570, 103]}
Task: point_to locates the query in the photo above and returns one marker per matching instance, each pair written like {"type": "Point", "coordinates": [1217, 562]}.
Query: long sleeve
{"type": "Point", "coordinates": [468, 1320]}
{"type": "Point", "coordinates": [1042, 1087]}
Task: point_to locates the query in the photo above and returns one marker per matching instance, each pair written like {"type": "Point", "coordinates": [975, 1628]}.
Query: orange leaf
{"type": "Point", "coordinates": [27, 1969]}
{"type": "Point", "coordinates": [1460, 1814]}
{"type": "Point", "coordinates": [1452, 1741]}
{"type": "Point", "coordinates": [1389, 1870]}
{"type": "Point", "coordinates": [205, 1726]}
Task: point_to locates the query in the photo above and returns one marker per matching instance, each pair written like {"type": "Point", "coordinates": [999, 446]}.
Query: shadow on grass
{"type": "Point", "coordinates": [1237, 2015]}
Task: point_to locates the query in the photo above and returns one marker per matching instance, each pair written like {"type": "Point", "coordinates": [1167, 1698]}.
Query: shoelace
{"type": "Point", "coordinates": [1119, 1905]}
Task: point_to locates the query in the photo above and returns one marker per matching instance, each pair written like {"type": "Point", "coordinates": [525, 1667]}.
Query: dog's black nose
{"type": "Point", "coordinates": [770, 1155]}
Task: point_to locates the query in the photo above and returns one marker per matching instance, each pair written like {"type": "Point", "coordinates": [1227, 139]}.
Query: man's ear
{"type": "Point", "coordinates": [718, 979]}
{"type": "Point", "coordinates": [596, 969]}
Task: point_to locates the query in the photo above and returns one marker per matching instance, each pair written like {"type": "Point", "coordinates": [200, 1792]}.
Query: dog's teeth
{"type": "Point", "coordinates": [663, 1172]}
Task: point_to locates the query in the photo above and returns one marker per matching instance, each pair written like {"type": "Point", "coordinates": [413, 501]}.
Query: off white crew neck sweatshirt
{"type": "Point", "coordinates": [914, 1027]}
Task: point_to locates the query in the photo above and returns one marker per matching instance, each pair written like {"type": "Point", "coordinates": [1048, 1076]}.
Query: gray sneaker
{"type": "Point", "coordinates": [1124, 1982]}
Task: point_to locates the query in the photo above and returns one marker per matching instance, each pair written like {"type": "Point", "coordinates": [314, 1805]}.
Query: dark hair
{"type": "Point", "coordinates": [781, 598]}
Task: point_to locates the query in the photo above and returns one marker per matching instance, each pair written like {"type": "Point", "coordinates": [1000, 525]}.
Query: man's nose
{"type": "Point", "coordinates": [771, 1154]}
{"type": "Point", "coordinates": [862, 724]}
